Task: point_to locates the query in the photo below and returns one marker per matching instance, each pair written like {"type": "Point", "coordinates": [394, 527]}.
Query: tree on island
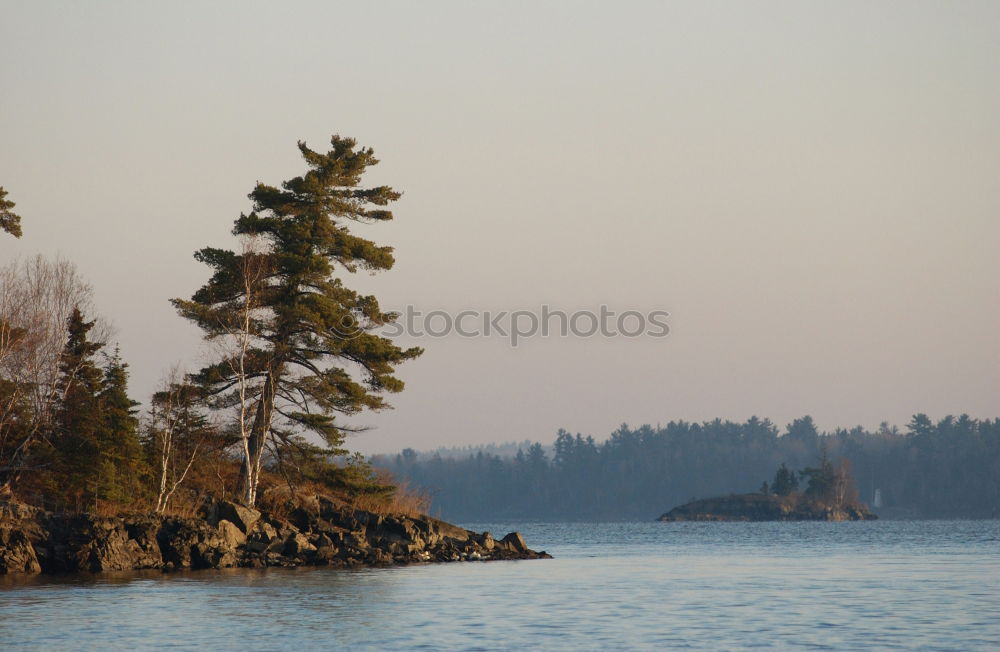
{"type": "Point", "coordinates": [829, 484]}
{"type": "Point", "coordinates": [785, 481]}
{"type": "Point", "coordinates": [822, 478]}
{"type": "Point", "coordinates": [9, 221]}
{"type": "Point", "coordinates": [298, 345]}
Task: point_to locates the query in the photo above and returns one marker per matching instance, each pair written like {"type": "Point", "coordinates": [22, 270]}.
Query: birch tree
{"type": "Point", "coordinates": [177, 432]}
{"type": "Point", "coordinates": [37, 295]}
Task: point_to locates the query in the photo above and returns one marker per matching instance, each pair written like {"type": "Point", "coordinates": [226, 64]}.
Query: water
{"type": "Point", "coordinates": [918, 584]}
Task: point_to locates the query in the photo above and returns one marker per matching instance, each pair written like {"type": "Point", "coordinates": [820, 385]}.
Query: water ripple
{"type": "Point", "coordinates": [617, 585]}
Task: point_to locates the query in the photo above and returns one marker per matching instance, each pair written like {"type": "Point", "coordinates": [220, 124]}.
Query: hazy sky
{"type": "Point", "coordinates": [811, 189]}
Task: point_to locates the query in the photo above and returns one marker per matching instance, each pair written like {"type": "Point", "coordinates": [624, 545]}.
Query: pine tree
{"type": "Point", "coordinates": [305, 351]}
{"type": "Point", "coordinates": [76, 441]}
{"type": "Point", "coordinates": [9, 221]}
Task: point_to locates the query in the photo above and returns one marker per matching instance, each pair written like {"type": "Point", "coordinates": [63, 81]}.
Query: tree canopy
{"type": "Point", "coordinates": [297, 345]}
{"type": "Point", "coordinates": [9, 221]}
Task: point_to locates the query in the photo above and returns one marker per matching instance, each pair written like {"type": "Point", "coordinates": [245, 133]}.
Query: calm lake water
{"type": "Point", "coordinates": [907, 584]}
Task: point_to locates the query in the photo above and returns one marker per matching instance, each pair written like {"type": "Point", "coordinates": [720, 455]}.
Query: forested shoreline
{"type": "Point", "coordinates": [291, 353]}
{"type": "Point", "coordinates": [944, 469]}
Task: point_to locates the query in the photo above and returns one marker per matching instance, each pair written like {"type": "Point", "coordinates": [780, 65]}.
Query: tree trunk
{"type": "Point", "coordinates": [250, 468]}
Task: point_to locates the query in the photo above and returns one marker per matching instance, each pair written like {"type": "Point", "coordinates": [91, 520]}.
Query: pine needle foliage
{"type": "Point", "coordinates": [9, 221]}
{"type": "Point", "coordinates": [311, 352]}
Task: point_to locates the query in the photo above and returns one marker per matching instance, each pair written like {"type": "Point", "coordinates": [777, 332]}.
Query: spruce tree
{"type": "Point", "coordinates": [122, 470]}
{"type": "Point", "coordinates": [76, 441]}
{"type": "Point", "coordinates": [9, 221]}
{"type": "Point", "coordinates": [309, 352]}
{"type": "Point", "coordinates": [785, 481]}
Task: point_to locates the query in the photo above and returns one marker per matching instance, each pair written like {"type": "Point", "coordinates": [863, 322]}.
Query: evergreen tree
{"type": "Point", "coordinates": [785, 481]}
{"type": "Point", "coordinates": [122, 469]}
{"type": "Point", "coordinates": [310, 353]}
{"type": "Point", "coordinates": [803, 430]}
{"type": "Point", "coordinates": [76, 442]}
{"type": "Point", "coordinates": [9, 221]}
{"type": "Point", "coordinates": [822, 479]}
{"type": "Point", "coordinates": [920, 426]}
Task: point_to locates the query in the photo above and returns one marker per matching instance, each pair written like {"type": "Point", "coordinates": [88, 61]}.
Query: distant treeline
{"type": "Point", "coordinates": [504, 449]}
{"type": "Point", "coordinates": [934, 470]}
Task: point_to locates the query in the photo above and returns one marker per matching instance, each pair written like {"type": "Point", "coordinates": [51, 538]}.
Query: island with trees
{"type": "Point", "coordinates": [947, 467]}
{"type": "Point", "coordinates": [830, 495]}
{"type": "Point", "coordinates": [242, 462]}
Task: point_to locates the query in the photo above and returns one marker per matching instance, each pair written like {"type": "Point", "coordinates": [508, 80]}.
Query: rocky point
{"type": "Point", "coordinates": [317, 532]}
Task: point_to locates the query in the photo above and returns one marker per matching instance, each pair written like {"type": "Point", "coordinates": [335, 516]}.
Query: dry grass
{"type": "Point", "coordinates": [218, 477]}
{"type": "Point", "coordinates": [404, 501]}
{"type": "Point", "coordinates": [183, 504]}
{"type": "Point", "coordinates": [277, 498]}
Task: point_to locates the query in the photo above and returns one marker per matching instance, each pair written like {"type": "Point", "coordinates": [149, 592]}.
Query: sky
{"type": "Point", "coordinates": [809, 189]}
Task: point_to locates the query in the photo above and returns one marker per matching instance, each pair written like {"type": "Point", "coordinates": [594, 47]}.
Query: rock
{"type": "Point", "coordinates": [231, 535]}
{"type": "Point", "coordinates": [17, 555]}
{"type": "Point", "coordinates": [514, 542]}
{"type": "Point", "coordinates": [392, 529]}
{"type": "Point", "coordinates": [179, 539]}
{"type": "Point", "coordinates": [261, 537]}
{"type": "Point", "coordinates": [142, 532]}
{"type": "Point", "coordinates": [321, 541]}
{"type": "Point", "coordinates": [304, 520]}
{"type": "Point", "coordinates": [12, 511]}
{"type": "Point", "coordinates": [297, 544]}
{"type": "Point", "coordinates": [448, 530]}
{"type": "Point", "coordinates": [322, 532]}
{"type": "Point", "coordinates": [86, 543]}
{"type": "Point", "coordinates": [242, 517]}
{"type": "Point", "coordinates": [486, 541]}
{"type": "Point", "coordinates": [324, 555]}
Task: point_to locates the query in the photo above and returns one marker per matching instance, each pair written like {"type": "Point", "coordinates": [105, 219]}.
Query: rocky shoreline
{"type": "Point", "coordinates": [760, 507]}
{"type": "Point", "coordinates": [318, 532]}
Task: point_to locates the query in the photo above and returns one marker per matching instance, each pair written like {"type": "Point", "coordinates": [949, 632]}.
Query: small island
{"type": "Point", "coordinates": [829, 496]}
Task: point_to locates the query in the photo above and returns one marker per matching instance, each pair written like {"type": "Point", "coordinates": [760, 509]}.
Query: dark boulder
{"type": "Point", "coordinates": [239, 515]}
{"type": "Point", "coordinates": [17, 555]}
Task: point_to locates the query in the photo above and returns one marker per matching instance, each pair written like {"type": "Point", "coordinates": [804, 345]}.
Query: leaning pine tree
{"type": "Point", "coordinates": [297, 347]}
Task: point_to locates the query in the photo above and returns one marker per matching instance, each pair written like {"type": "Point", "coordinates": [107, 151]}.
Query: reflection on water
{"type": "Point", "coordinates": [708, 585]}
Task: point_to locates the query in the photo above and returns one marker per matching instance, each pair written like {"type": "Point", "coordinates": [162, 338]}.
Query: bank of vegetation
{"type": "Point", "coordinates": [293, 353]}
{"type": "Point", "coordinates": [949, 468]}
